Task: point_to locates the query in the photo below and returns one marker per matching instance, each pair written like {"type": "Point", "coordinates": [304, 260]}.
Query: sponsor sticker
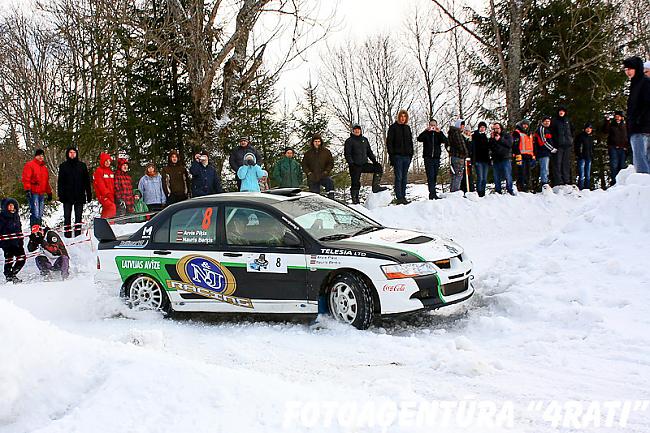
{"type": "Point", "coordinates": [133, 244]}
{"type": "Point", "coordinates": [338, 252]}
{"type": "Point", "coordinates": [143, 264]}
{"type": "Point", "coordinates": [266, 263]}
{"type": "Point", "coordinates": [401, 287]}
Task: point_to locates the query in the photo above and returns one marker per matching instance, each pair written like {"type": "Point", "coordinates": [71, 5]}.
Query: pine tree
{"type": "Point", "coordinates": [311, 118]}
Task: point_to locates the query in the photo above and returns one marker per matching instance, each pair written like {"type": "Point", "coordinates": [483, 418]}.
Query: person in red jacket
{"type": "Point", "coordinates": [36, 182]}
{"type": "Point", "coordinates": [104, 183]}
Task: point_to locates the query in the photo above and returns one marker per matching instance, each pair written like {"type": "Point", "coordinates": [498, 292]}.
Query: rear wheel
{"type": "Point", "coordinates": [145, 293]}
{"type": "Point", "coordinates": [350, 300]}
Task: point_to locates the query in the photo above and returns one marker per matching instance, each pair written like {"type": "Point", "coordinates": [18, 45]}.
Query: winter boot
{"type": "Point", "coordinates": [355, 196]}
{"type": "Point", "coordinates": [330, 195]}
{"type": "Point", "coordinates": [376, 187]}
{"type": "Point", "coordinates": [433, 196]}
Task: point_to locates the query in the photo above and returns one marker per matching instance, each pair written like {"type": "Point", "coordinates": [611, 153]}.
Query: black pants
{"type": "Point", "coordinates": [523, 178]}
{"type": "Point", "coordinates": [67, 218]}
{"type": "Point", "coordinates": [356, 170]}
{"type": "Point", "coordinates": [561, 166]}
{"type": "Point", "coordinates": [175, 198]}
{"type": "Point", "coordinates": [14, 260]}
{"type": "Point", "coordinates": [156, 207]}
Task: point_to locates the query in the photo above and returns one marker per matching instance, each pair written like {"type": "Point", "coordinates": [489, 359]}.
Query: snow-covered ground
{"type": "Point", "coordinates": [560, 323]}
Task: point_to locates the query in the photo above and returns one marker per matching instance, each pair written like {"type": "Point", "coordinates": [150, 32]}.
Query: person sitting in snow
{"type": "Point", "coordinates": [54, 256]}
{"type": "Point", "coordinates": [250, 173]}
{"type": "Point", "coordinates": [11, 239]}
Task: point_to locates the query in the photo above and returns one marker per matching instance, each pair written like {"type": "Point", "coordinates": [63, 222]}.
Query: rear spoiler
{"type": "Point", "coordinates": [103, 230]}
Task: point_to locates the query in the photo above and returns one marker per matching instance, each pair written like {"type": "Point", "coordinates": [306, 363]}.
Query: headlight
{"type": "Point", "coordinates": [408, 270]}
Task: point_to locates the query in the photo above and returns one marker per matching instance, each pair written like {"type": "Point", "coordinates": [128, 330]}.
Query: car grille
{"type": "Point", "coordinates": [455, 287]}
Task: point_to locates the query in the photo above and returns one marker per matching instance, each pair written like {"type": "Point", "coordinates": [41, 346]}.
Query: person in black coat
{"type": "Point", "coordinates": [11, 239]}
{"type": "Point", "coordinates": [236, 159]}
{"type": "Point", "coordinates": [638, 113]}
{"type": "Point", "coordinates": [432, 140]}
{"type": "Point", "coordinates": [584, 150]}
{"type": "Point", "coordinates": [399, 143]}
{"type": "Point", "coordinates": [73, 188]}
{"type": "Point", "coordinates": [361, 159]}
{"type": "Point", "coordinates": [481, 157]}
{"type": "Point", "coordinates": [501, 152]}
{"type": "Point", "coordinates": [562, 131]}
{"type": "Point", "coordinates": [205, 179]}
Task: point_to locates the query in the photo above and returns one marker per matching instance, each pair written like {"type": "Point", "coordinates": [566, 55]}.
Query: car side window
{"type": "Point", "coordinates": [252, 227]}
{"type": "Point", "coordinates": [196, 225]}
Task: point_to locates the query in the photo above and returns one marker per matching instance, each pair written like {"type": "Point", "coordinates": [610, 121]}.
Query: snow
{"type": "Point", "coordinates": [561, 313]}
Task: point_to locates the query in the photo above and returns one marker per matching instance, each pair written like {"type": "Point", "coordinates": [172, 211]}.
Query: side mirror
{"type": "Point", "coordinates": [290, 239]}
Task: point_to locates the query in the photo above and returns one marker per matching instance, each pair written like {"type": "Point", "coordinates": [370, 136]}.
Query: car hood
{"type": "Point", "coordinates": [402, 245]}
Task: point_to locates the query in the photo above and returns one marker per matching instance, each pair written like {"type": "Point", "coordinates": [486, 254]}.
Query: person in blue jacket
{"type": "Point", "coordinates": [250, 173]}
{"type": "Point", "coordinates": [11, 239]}
{"type": "Point", "coordinates": [205, 179]}
{"type": "Point", "coordinates": [152, 190]}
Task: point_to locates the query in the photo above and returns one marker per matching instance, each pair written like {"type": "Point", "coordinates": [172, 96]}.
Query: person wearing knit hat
{"type": "Point", "coordinates": [73, 189]}
{"type": "Point", "coordinates": [287, 172]}
{"type": "Point", "coordinates": [432, 140]}
{"type": "Point", "coordinates": [584, 152]}
{"type": "Point", "coordinates": [36, 182]}
{"type": "Point", "coordinates": [480, 147]}
{"type": "Point", "coordinates": [544, 148]}
{"type": "Point", "coordinates": [361, 159]}
{"type": "Point", "coordinates": [638, 113]}
{"type": "Point", "coordinates": [236, 158]}
{"type": "Point", "coordinates": [646, 68]}
{"type": "Point", "coordinates": [318, 164]}
{"type": "Point", "coordinates": [523, 149]}
{"type": "Point", "coordinates": [457, 149]}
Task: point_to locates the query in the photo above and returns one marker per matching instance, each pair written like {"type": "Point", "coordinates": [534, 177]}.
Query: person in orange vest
{"type": "Point", "coordinates": [523, 148]}
{"type": "Point", "coordinates": [104, 183]}
{"type": "Point", "coordinates": [36, 182]}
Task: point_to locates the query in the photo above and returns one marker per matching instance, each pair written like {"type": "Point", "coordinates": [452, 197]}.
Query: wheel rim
{"type": "Point", "coordinates": [145, 293]}
{"type": "Point", "coordinates": [343, 303]}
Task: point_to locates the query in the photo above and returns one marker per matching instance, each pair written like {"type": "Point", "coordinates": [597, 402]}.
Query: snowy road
{"type": "Point", "coordinates": [561, 313]}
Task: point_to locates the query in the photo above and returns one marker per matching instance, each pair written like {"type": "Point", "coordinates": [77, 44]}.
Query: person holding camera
{"type": "Point", "coordinates": [501, 149]}
{"type": "Point", "coordinates": [250, 174]}
{"type": "Point", "coordinates": [236, 159]}
{"type": "Point", "coordinates": [205, 179]}
{"type": "Point", "coordinates": [432, 139]}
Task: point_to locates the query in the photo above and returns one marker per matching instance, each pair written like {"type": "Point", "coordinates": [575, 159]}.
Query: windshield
{"type": "Point", "coordinates": [326, 219]}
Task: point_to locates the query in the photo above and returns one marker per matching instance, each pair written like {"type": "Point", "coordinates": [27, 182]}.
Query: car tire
{"type": "Point", "coordinates": [145, 293]}
{"type": "Point", "coordinates": [350, 300]}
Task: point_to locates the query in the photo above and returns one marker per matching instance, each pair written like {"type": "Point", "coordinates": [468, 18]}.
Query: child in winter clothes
{"type": "Point", "coordinates": [250, 173]}
{"type": "Point", "coordinates": [151, 186]}
{"type": "Point", "coordinates": [12, 248]}
{"type": "Point", "coordinates": [52, 248]}
{"type": "Point", "coordinates": [139, 206]}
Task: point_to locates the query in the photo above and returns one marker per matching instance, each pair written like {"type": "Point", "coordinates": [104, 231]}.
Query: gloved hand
{"type": "Point", "coordinates": [28, 195]}
{"type": "Point", "coordinates": [554, 151]}
{"type": "Point", "coordinates": [49, 196]}
{"type": "Point", "coordinates": [518, 160]}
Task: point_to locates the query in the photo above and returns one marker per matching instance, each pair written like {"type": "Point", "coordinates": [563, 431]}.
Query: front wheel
{"type": "Point", "coordinates": [145, 293]}
{"type": "Point", "coordinates": [350, 301]}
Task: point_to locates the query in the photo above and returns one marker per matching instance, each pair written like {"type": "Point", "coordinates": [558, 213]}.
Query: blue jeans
{"type": "Point", "coordinates": [543, 168]}
{"type": "Point", "coordinates": [36, 206]}
{"type": "Point", "coordinates": [641, 152]}
{"type": "Point", "coordinates": [503, 171]}
{"type": "Point", "coordinates": [617, 158]}
{"type": "Point", "coordinates": [584, 173]}
{"type": "Point", "coordinates": [431, 166]}
{"type": "Point", "coordinates": [401, 169]}
{"type": "Point", "coordinates": [481, 177]}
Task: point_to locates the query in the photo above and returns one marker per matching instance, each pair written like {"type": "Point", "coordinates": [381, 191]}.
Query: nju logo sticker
{"type": "Point", "coordinates": [209, 274]}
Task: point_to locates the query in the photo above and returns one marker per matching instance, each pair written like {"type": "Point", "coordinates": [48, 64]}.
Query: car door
{"type": "Point", "coordinates": [186, 246]}
{"type": "Point", "coordinates": [268, 269]}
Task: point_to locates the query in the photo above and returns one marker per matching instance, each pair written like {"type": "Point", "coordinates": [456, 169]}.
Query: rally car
{"type": "Point", "coordinates": [282, 251]}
